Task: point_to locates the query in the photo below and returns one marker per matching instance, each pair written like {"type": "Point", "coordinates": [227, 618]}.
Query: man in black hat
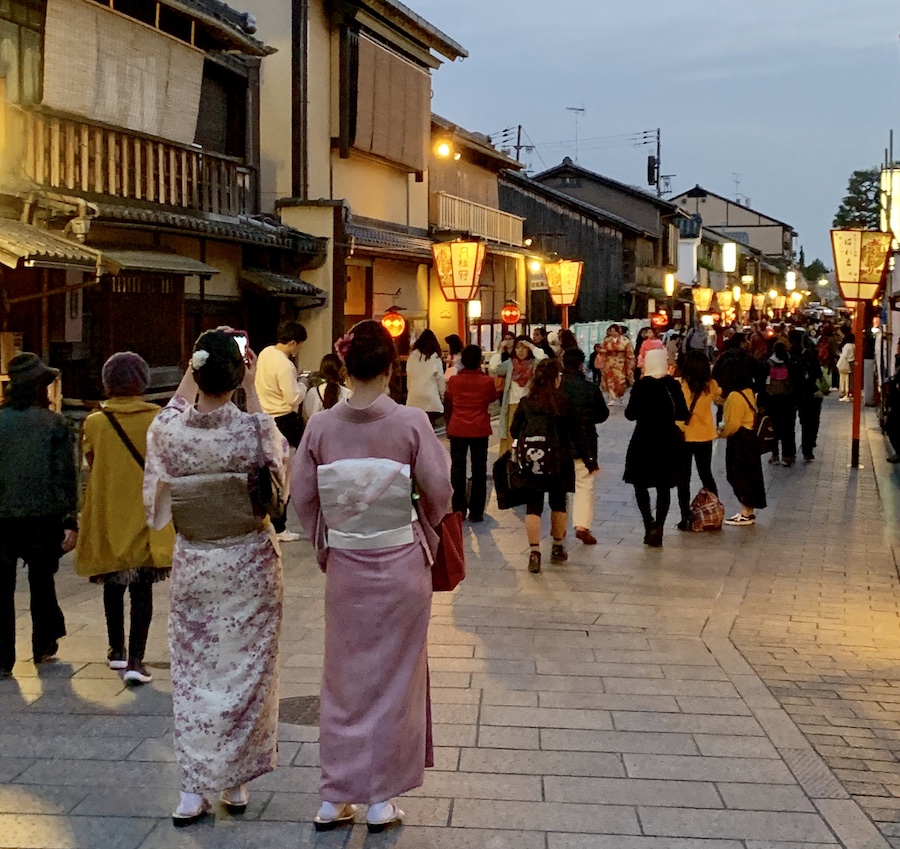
{"type": "Point", "coordinates": [38, 505]}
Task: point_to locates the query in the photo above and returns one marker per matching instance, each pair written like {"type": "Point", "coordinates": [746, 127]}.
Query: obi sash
{"type": "Point", "coordinates": [366, 503]}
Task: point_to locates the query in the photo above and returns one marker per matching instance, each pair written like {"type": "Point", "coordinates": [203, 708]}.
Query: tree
{"type": "Point", "coordinates": [815, 270]}
{"type": "Point", "coordinates": [861, 207]}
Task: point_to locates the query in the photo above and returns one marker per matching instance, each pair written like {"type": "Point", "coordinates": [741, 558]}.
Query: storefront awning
{"type": "Point", "coordinates": [274, 285]}
{"type": "Point", "coordinates": [20, 242]}
{"type": "Point", "coordinates": [155, 262]}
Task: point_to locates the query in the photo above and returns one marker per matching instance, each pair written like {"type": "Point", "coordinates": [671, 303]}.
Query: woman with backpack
{"type": "Point", "coordinates": [546, 443]}
{"type": "Point", "coordinates": [781, 405]}
{"type": "Point", "coordinates": [329, 391]}
{"type": "Point", "coordinates": [700, 393]}
{"type": "Point", "coordinates": [654, 456]}
{"type": "Point", "coordinates": [743, 467]}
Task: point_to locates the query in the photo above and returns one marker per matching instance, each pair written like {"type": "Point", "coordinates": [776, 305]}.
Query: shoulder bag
{"type": "Point", "coordinates": [126, 440]}
{"type": "Point", "coordinates": [266, 491]}
{"type": "Point", "coordinates": [763, 429]}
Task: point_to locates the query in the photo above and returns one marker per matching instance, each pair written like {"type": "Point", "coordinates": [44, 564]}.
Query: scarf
{"type": "Point", "coordinates": [523, 370]}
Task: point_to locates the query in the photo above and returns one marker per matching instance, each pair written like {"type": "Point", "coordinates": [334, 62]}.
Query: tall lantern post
{"type": "Point", "coordinates": [564, 284]}
{"type": "Point", "coordinates": [458, 266]}
{"type": "Point", "coordinates": [860, 265]}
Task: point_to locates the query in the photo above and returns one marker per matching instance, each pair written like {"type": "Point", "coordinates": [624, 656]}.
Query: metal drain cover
{"type": "Point", "coordinates": [301, 710]}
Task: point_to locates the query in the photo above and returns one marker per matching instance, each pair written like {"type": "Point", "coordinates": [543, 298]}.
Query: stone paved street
{"type": "Point", "coordinates": [738, 690]}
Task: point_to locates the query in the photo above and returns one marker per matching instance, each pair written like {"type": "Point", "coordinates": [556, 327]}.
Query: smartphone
{"type": "Point", "coordinates": [243, 341]}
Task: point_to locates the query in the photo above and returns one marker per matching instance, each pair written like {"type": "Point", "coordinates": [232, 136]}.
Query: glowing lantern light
{"type": "Point", "coordinates": [746, 301]}
{"type": "Point", "coordinates": [860, 262]}
{"type": "Point", "coordinates": [702, 297]}
{"type": "Point", "coordinates": [736, 293]}
{"type": "Point", "coordinates": [780, 301]}
{"type": "Point", "coordinates": [773, 294]}
{"type": "Point", "coordinates": [729, 257]}
{"type": "Point", "coordinates": [790, 280]}
{"type": "Point", "coordinates": [458, 266]}
{"type": "Point", "coordinates": [759, 301]}
{"type": "Point", "coordinates": [564, 284]}
{"type": "Point", "coordinates": [725, 299]}
{"type": "Point", "coordinates": [393, 322]}
{"type": "Point", "coordinates": [510, 314]}
{"type": "Point", "coordinates": [670, 285]}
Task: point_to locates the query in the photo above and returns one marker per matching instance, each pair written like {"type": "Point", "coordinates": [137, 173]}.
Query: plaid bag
{"type": "Point", "coordinates": [707, 511]}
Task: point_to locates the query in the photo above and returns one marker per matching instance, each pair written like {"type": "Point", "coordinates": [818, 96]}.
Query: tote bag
{"type": "Point", "coordinates": [449, 567]}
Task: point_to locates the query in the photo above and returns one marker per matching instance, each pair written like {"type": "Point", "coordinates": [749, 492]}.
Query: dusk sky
{"type": "Point", "coordinates": [792, 95]}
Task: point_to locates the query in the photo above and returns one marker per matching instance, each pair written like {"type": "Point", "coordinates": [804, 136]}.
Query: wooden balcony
{"type": "Point", "coordinates": [73, 155]}
{"type": "Point", "coordinates": [455, 214]}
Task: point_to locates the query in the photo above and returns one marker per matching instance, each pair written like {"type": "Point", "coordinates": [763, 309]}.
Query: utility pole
{"type": "Point", "coordinates": [659, 162]}
{"type": "Point", "coordinates": [519, 144]}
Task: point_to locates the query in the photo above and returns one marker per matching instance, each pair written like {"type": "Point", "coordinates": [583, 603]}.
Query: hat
{"type": "Point", "coordinates": [656, 363]}
{"type": "Point", "coordinates": [124, 374]}
{"type": "Point", "coordinates": [29, 367]}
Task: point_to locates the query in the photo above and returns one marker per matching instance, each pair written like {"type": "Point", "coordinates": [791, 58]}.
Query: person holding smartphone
{"type": "Point", "coordinates": [281, 392]}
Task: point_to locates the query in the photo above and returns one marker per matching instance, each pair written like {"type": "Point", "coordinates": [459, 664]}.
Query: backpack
{"type": "Point", "coordinates": [537, 449]}
{"type": "Point", "coordinates": [763, 429]}
{"type": "Point", "coordinates": [779, 383]}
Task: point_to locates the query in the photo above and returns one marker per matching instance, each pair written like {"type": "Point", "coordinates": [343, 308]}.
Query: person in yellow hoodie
{"type": "Point", "coordinates": [700, 393]}
{"type": "Point", "coordinates": [115, 547]}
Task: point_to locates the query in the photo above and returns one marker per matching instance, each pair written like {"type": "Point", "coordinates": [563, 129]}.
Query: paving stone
{"type": "Point", "coordinates": [413, 837]}
{"type": "Point", "coordinates": [546, 718]}
{"type": "Point", "coordinates": [595, 841]}
{"type": "Point", "coordinates": [528, 762]}
{"type": "Point", "coordinates": [618, 741]}
{"type": "Point", "coordinates": [39, 800]}
{"type": "Point", "coordinates": [736, 825]}
{"type": "Point", "coordinates": [544, 816]}
{"type": "Point", "coordinates": [471, 785]}
{"type": "Point", "coordinates": [37, 831]}
{"type": "Point", "coordinates": [689, 724]}
{"type": "Point", "coordinates": [756, 797]}
{"type": "Point", "coordinates": [852, 826]}
{"type": "Point", "coordinates": [496, 737]}
{"type": "Point", "coordinates": [723, 746]}
{"type": "Point", "coordinates": [629, 791]}
{"type": "Point", "coordinates": [746, 770]}
{"type": "Point", "coordinates": [224, 832]}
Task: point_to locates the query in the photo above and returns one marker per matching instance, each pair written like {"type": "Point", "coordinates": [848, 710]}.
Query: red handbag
{"type": "Point", "coordinates": [449, 566]}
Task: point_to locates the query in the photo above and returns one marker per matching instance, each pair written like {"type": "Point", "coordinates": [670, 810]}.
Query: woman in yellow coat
{"type": "Point", "coordinates": [115, 547]}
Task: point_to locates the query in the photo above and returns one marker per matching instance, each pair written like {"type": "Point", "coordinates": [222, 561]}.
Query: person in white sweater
{"type": "Point", "coordinates": [425, 376]}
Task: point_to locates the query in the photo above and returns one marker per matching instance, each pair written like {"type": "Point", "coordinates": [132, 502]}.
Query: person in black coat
{"type": "Point", "coordinates": [545, 410]}
{"type": "Point", "coordinates": [590, 410]}
{"type": "Point", "coordinates": [654, 457]}
{"type": "Point", "coordinates": [806, 371]}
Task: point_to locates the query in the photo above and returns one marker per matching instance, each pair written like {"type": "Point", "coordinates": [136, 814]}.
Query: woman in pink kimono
{"type": "Point", "coordinates": [352, 482]}
{"type": "Point", "coordinates": [616, 361]}
{"type": "Point", "coordinates": [226, 591]}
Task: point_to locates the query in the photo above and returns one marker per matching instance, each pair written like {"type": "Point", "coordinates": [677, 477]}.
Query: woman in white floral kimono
{"type": "Point", "coordinates": [353, 479]}
{"type": "Point", "coordinates": [226, 591]}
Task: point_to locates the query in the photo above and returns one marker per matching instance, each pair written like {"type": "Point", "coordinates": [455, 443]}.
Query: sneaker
{"type": "Point", "coordinates": [738, 520]}
{"type": "Point", "coordinates": [585, 536]}
{"type": "Point", "coordinates": [116, 659]}
{"type": "Point", "coordinates": [534, 562]}
{"type": "Point", "coordinates": [558, 553]}
{"type": "Point", "coordinates": [287, 536]}
{"type": "Point", "coordinates": [137, 673]}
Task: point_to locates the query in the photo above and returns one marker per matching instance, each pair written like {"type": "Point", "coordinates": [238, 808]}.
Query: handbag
{"type": "Point", "coordinates": [449, 567]}
{"type": "Point", "coordinates": [266, 491]}
{"type": "Point", "coordinates": [510, 484]}
{"type": "Point", "coordinates": [707, 511]}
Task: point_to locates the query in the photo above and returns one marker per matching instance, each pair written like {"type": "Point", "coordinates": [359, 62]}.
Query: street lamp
{"type": "Point", "coordinates": [669, 286]}
{"type": "Point", "coordinates": [790, 281]}
{"type": "Point", "coordinates": [564, 284]}
{"type": "Point", "coordinates": [729, 257]}
{"type": "Point", "coordinates": [458, 266]}
{"type": "Point", "coordinates": [860, 266]}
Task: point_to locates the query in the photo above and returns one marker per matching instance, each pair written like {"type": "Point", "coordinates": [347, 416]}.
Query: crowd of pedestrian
{"type": "Point", "coordinates": [196, 493]}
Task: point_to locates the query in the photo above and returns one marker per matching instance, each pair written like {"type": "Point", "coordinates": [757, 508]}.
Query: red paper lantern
{"type": "Point", "coordinates": [510, 314]}
{"type": "Point", "coordinates": [393, 322]}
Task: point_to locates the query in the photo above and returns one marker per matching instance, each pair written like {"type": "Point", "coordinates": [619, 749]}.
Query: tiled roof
{"type": "Point", "coordinates": [389, 241]}
{"type": "Point", "coordinates": [277, 285]}
{"type": "Point", "coordinates": [254, 231]}
{"type": "Point", "coordinates": [19, 241]}
{"type": "Point", "coordinates": [236, 27]}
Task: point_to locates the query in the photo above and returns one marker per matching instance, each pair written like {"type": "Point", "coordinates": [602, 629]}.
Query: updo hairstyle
{"type": "Point", "coordinates": [224, 370]}
{"type": "Point", "coordinates": [371, 352]}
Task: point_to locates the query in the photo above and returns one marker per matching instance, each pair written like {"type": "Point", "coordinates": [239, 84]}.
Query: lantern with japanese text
{"type": "Point", "coordinates": [564, 284]}
{"type": "Point", "coordinates": [393, 322]}
{"type": "Point", "coordinates": [458, 266]}
{"type": "Point", "coordinates": [510, 314]}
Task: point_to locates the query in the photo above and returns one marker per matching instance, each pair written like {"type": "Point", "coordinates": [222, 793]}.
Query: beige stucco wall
{"type": "Point", "coordinates": [375, 189]}
{"type": "Point", "coordinates": [465, 180]}
{"type": "Point", "coordinates": [317, 221]}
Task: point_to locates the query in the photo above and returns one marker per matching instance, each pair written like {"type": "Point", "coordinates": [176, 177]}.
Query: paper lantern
{"type": "Point", "coordinates": [510, 314]}
{"type": "Point", "coordinates": [458, 266]}
{"type": "Point", "coordinates": [746, 301]}
{"type": "Point", "coordinates": [669, 284]}
{"type": "Point", "coordinates": [564, 281]}
{"type": "Point", "coordinates": [759, 301]}
{"type": "Point", "coordinates": [729, 257]}
{"type": "Point", "coordinates": [702, 297]}
{"type": "Point", "coordinates": [393, 322]}
{"type": "Point", "coordinates": [860, 262]}
{"type": "Point", "coordinates": [780, 301]}
{"type": "Point", "coordinates": [725, 299]}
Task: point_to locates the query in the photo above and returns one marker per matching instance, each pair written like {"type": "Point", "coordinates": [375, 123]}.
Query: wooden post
{"type": "Point", "coordinates": [461, 320]}
{"type": "Point", "coordinates": [565, 318]}
{"type": "Point", "coordinates": [45, 315]}
{"type": "Point", "coordinates": [859, 330]}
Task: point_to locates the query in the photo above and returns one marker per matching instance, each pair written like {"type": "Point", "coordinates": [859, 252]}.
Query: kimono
{"type": "Point", "coordinates": [352, 481]}
{"type": "Point", "coordinates": [226, 601]}
{"type": "Point", "coordinates": [616, 365]}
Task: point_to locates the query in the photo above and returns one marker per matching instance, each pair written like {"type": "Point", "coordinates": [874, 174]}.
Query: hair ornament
{"type": "Point", "coordinates": [199, 358]}
{"type": "Point", "coordinates": [342, 346]}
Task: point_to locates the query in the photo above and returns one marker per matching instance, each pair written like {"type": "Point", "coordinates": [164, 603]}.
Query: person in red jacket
{"type": "Point", "coordinates": [470, 393]}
